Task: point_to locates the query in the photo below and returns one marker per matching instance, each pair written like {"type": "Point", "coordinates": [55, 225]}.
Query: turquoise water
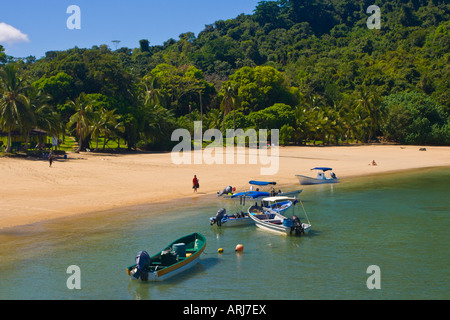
{"type": "Point", "coordinates": [398, 222]}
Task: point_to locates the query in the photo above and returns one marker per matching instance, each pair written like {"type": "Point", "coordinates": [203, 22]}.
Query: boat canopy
{"type": "Point", "coordinates": [252, 194]}
{"type": "Point", "coordinates": [278, 198]}
{"type": "Point", "coordinates": [322, 168]}
{"type": "Point", "coordinates": [261, 183]}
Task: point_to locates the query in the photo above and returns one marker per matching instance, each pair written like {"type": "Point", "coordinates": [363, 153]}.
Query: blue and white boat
{"type": "Point", "coordinates": [277, 204]}
{"type": "Point", "coordinates": [320, 179]}
{"type": "Point", "coordinates": [257, 194]}
{"type": "Point", "coordinates": [268, 219]}
{"type": "Point", "coordinates": [240, 218]}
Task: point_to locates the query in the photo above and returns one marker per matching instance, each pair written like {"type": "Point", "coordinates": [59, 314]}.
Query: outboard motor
{"type": "Point", "coordinates": [227, 190]}
{"type": "Point", "coordinates": [142, 262]}
{"type": "Point", "coordinates": [218, 218]}
{"type": "Point", "coordinates": [297, 226]}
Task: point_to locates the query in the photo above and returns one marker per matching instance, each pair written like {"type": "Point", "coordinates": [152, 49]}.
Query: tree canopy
{"type": "Point", "coordinates": [309, 67]}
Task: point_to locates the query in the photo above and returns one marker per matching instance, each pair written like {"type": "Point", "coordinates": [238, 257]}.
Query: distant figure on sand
{"type": "Point", "coordinates": [373, 163]}
{"type": "Point", "coordinates": [50, 158]}
{"type": "Point", "coordinates": [195, 183]}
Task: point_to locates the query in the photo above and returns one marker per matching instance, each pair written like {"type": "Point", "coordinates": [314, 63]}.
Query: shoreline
{"type": "Point", "coordinates": [88, 183]}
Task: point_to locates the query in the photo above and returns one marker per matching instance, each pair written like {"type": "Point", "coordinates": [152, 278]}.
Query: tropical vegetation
{"type": "Point", "coordinates": [312, 69]}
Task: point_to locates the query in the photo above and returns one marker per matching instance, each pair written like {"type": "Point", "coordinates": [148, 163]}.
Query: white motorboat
{"type": "Point", "coordinates": [268, 219]}
{"type": "Point", "coordinates": [320, 179]}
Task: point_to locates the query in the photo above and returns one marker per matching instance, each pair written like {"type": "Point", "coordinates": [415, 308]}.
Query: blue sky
{"type": "Point", "coordinates": [30, 27]}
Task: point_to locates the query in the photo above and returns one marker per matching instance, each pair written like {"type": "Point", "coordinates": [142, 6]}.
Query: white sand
{"type": "Point", "coordinates": [31, 191]}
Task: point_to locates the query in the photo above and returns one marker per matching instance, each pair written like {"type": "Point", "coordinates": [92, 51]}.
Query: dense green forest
{"type": "Point", "coordinates": [311, 68]}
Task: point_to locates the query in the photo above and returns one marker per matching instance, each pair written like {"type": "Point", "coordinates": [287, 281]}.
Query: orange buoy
{"type": "Point", "coordinates": [239, 247]}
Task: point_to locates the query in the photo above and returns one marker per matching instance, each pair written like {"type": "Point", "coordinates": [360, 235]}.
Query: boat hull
{"type": "Point", "coordinates": [232, 221]}
{"type": "Point", "coordinates": [273, 222]}
{"type": "Point", "coordinates": [237, 222]}
{"type": "Point", "coordinates": [304, 180]}
{"type": "Point", "coordinates": [171, 271]}
{"type": "Point", "coordinates": [158, 271]}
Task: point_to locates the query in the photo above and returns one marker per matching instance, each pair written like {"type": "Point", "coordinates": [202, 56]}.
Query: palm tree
{"type": "Point", "coordinates": [106, 123]}
{"type": "Point", "coordinates": [45, 117]}
{"type": "Point", "coordinates": [15, 109]}
{"type": "Point", "coordinates": [230, 101]}
{"type": "Point", "coordinates": [152, 94]}
{"type": "Point", "coordinates": [302, 122]}
{"type": "Point", "coordinates": [368, 108]}
{"type": "Point", "coordinates": [213, 119]}
{"type": "Point", "coordinates": [82, 118]}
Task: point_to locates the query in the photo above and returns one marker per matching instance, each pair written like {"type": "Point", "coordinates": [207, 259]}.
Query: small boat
{"type": "Point", "coordinates": [320, 179]}
{"type": "Point", "coordinates": [180, 255]}
{"type": "Point", "coordinates": [269, 216]}
{"type": "Point", "coordinates": [241, 218]}
{"type": "Point", "coordinates": [273, 192]}
{"type": "Point", "coordinates": [275, 222]}
{"type": "Point", "coordinates": [257, 194]}
{"type": "Point", "coordinates": [235, 220]}
{"type": "Point", "coordinates": [277, 204]}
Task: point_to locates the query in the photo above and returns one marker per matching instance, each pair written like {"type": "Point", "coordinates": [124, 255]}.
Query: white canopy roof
{"type": "Point", "coordinates": [278, 198]}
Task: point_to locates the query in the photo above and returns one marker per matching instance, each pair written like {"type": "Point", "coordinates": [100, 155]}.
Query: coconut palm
{"type": "Point", "coordinates": [15, 109]}
{"type": "Point", "coordinates": [152, 95]}
{"type": "Point", "coordinates": [45, 117]}
{"type": "Point", "coordinates": [82, 118]}
{"type": "Point", "coordinates": [105, 122]}
{"type": "Point", "coordinates": [367, 105]}
{"type": "Point", "coordinates": [213, 119]}
{"type": "Point", "coordinates": [230, 102]}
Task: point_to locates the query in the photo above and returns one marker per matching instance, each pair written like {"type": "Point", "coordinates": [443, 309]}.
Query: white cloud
{"type": "Point", "coordinates": [9, 34]}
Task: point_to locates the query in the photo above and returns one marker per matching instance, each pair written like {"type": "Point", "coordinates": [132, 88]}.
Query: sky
{"type": "Point", "coordinates": [33, 27]}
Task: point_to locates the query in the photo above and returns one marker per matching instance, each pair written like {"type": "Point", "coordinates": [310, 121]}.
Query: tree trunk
{"type": "Point", "coordinates": [8, 142]}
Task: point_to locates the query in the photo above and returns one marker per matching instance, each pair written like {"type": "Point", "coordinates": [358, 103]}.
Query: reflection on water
{"type": "Point", "coordinates": [398, 222]}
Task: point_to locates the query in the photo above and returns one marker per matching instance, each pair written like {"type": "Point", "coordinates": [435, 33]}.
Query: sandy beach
{"type": "Point", "coordinates": [31, 191]}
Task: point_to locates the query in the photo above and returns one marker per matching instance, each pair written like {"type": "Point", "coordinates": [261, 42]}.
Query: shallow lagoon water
{"type": "Point", "coordinates": [398, 222]}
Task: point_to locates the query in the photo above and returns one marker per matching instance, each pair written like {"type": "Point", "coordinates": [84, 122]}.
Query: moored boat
{"type": "Point", "coordinates": [277, 204]}
{"type": "Point", "coordinates": [271, 216]}
{"type": "Point", "coordinates": [255, 193]}
{"type": "Point", "coordinates": [180, 255]}
{"type": "Point", "coordinates": [235, 220]}
{"type": "Point", "coordinates": [269, 220]}
{"type": "Point", "coordinates": [320, 179]}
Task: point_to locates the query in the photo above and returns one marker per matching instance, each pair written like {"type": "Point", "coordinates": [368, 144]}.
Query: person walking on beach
{"type": "Point", "coordinates": [195, 183]}
{"type": "Point", "coordinates": [50, 158]}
